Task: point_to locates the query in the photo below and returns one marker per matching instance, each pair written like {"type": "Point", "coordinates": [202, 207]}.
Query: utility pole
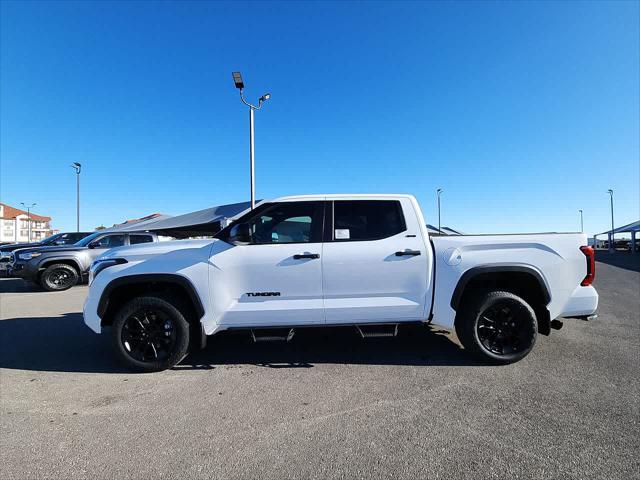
{"type": "Point", "coordinates": [237, 79]}
{"type": "Point", "coordinates": [439, 192]}
{"type": "Point", "coordinates": [581, 222]}
{"type": "Point", "coordinates": [611, 237]}
{"type": "Point", "coordinates": [77, 167]}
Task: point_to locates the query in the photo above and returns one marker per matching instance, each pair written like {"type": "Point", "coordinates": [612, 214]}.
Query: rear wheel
{"type": "Point", "coordinates": [497, 326]}
{"type": "Point", "coordinates": [59, 276]}
{"type": "Point", "coordinates": [150, 334]}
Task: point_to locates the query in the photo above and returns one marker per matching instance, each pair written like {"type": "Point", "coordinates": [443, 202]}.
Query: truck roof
{"type": "Point", "coordinates": [341, 196]}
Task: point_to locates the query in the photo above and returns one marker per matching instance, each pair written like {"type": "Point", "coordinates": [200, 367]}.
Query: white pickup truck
{"type": "Point", "coordinates": [360, 260]}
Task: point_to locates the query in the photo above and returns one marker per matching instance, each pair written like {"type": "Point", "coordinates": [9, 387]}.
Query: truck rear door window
{"type": "Point", "coordinates": [359, 220]}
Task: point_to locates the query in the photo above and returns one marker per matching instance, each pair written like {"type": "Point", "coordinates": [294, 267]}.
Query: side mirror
{"type": "Point", "coordinates": [240, 234]}
{"type": "Point", "coordinates": [93, 245]}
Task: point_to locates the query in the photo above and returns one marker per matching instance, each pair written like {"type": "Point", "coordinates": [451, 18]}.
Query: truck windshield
{"type": "Point", "coordinates": [51, 239]}
{"type": "Point", "coordinates": [87, 240]}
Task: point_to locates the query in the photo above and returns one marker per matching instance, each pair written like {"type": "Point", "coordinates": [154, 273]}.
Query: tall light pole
{"type": "Point", "coordinates": [439, 192]}
{"type": "Point", "coordinates": [28, 207]}
{"type": "Point", "coordinates": [611, 237]}
{"type": "Point", "coordinates": [237, 79]}
{"type": "Point", "coordinates": [581, 222]}
{"type": "Point", "coordinates": [77, 167]}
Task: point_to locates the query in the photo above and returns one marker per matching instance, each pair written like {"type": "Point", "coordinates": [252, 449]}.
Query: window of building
{"type": "Point", "coordinates": [358, 220]}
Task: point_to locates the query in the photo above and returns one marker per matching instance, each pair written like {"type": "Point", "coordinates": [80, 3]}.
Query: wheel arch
{"type": "Point", "coordinates": [47, 262]}
{"type": "Point", "coordinates": [523, 280]}
{"type": "Point", "coordinates": [122, 289]}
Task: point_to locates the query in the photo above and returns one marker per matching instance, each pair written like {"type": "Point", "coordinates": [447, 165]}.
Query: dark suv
{"type": "Point", "coordinates": [57, 268]}
{"type": "Point", "coordinates": [68, 238]}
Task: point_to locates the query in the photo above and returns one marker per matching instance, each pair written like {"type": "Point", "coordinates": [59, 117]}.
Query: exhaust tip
{"type": "Point", "coordinates": [556, 324]}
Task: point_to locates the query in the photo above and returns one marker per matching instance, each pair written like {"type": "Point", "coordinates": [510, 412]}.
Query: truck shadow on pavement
{"type": "Point", "coordinates": [65, 344]}
{"type": "Point", "coordinates": [415, 345]}
{"type": "Point", "coordinates": [17, 285]}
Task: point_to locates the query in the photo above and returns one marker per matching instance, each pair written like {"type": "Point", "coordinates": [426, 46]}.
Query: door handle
{"type": "Point", "coordinates": [411, 253]}
{"type": "Point", "coordinates": [299, 256]}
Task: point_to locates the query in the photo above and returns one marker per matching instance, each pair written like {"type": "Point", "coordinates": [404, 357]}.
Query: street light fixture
{"type": "Point", "coordinates": [239, 83]}
{"type": "Point", "coordinates": [581, 222]}
{"type": "Point", "coordinates": [77, 167]}
{"type": "Point", "coordinates": [611, 237]}
{"type": "Point", "coordinates": [28, 207]}
{"type": "Point", "coordinates": [439, 192]}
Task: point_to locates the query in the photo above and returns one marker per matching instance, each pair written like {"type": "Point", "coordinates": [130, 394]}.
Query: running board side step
{"type": "Point", "coordinates": [272, 334]}
{"type": "Point", "coordinates": [378, 330]}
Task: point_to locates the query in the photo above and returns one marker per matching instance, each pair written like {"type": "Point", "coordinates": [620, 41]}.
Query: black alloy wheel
{"type": "Point", "coordinates": [150, 333]}
{"type": "Point", "coordinates": [59, 277]}
{"type": "Point", "coordinates": [497, 326]}
{"type": "Point", "coordinates": [503, 330]}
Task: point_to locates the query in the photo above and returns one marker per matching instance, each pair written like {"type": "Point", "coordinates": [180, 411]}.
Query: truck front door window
{"type": "Point", "coordinates": [110, 241]}
{"type": "Point", "coordinates": [290, 222]}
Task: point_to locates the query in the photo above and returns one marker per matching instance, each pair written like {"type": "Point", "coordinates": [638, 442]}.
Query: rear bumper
{"type": "Point", "coordinates": [583, 302]}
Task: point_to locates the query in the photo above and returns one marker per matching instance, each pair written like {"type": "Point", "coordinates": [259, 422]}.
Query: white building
{"type": "Point", "coordinates": [14, 225]}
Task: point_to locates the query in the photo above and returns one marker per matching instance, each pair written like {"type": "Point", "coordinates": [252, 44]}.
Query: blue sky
{"type": "Point", "coordinates": [523, 112]}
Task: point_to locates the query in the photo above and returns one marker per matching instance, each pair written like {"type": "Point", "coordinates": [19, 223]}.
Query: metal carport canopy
{"type": "Point", "coordinates": [201, 223]}
{"type": "Point", "coordinates": [631, 227]}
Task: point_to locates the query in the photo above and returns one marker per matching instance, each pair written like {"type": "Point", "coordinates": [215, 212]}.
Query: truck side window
{"type": "Point", "coordinates": [135, 239]}
{"type": "Point", "coordinates": [110, 241]}
{"type": "Point", "coordinates": [358, 220]}
{"type": "Point", "coordinates": [287, 222]}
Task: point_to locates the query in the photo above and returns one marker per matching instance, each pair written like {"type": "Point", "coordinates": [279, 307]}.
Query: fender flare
{"type": "Point", "coordinates": [484, 269]}
{"type": "Point", "coordinates": [58, 258]}
{"type": "Point", "coordinates": [143, 278]}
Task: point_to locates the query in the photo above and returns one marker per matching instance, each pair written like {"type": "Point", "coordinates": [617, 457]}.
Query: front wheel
{"type": "Point", "coordinates": [59, 277]}
{"type": "Point", "coordinates": [497, 326]}
{"type": "Point", "coordinates": [150, 334]}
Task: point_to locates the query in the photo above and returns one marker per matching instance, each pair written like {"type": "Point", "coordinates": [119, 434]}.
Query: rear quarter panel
{"type": "Point", "coordinates": [556, 257]}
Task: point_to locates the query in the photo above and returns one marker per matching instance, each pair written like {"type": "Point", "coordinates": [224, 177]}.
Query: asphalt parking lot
{"type": "Point", "coordinates": [328, 405]}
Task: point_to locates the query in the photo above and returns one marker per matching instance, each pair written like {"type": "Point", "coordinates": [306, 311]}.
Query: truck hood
{"type": "Point", "coordinates": [52, 249]}
{"type": "Point", "coordinates": [16, 246]}
{"type": "Point", "coordinates": [144, 250]}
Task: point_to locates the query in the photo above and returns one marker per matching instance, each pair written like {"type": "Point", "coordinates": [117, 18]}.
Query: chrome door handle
{"type": "Point", "coordinates": [411, 253]}
{"type": "Point", "coordinates": [299, 256]}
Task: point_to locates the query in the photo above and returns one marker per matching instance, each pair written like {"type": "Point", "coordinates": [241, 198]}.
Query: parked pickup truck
{"type": "Point", "coordinates": [67, 238]}
{"type": "Point", "coordinates": [360, 260]}
{"type": "Point", "coordinates": [57, 268]}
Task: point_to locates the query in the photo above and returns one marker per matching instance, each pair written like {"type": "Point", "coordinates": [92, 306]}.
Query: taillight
{"type": "Point", "coordinates": [591, 266]}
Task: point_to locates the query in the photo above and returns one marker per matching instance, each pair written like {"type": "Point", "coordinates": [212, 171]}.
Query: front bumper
{"type": "Point", "coordinates": [22, 270]}
{"type": "Point", "coordinates": [90, 310]}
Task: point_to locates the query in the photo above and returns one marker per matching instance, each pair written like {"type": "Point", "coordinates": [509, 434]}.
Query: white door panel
{"type": "Point", "coordinates": [264, 284]}
{"type": "Point", "coordinates": [367, 282]}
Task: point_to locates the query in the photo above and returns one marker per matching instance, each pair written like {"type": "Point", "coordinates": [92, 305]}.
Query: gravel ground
{"type": "Point", "coordinates": [328, 405]}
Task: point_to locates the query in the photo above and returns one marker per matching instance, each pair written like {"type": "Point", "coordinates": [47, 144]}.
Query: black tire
{"type": "Point", "coordinates": [497, 326]}
{"type": "Point", "coordinates": [58, 277]}
{"type": "Point", "coordinates": [150, 334]}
